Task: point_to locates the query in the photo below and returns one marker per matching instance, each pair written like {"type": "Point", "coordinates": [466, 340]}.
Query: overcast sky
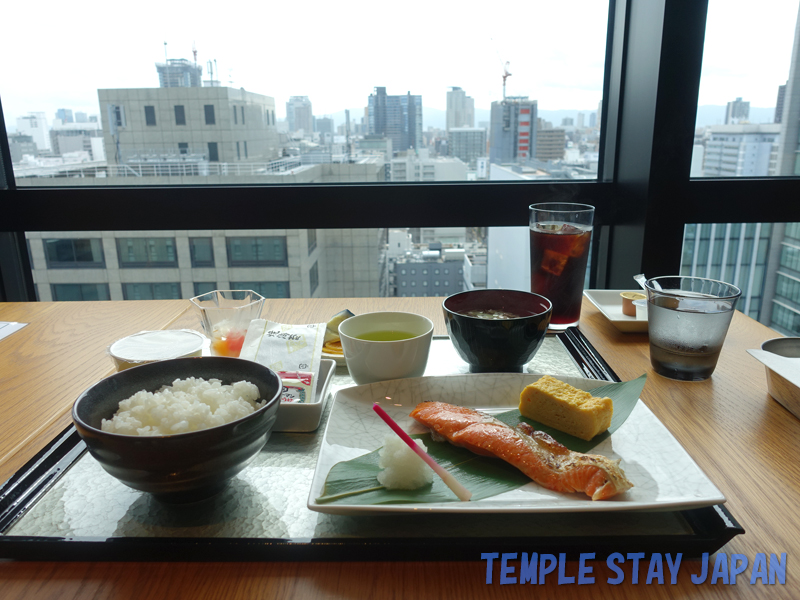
{"type": "Point", "coordinates": [59, 54]}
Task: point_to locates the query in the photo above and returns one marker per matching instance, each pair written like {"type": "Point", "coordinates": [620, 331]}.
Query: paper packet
{"type": "Point", "coordinates": [286, 348]}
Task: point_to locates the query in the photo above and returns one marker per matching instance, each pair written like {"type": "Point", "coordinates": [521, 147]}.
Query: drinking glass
{"type": "Point", "coordinates": [688, 318]}
{"type": "Point", "coordinates": [561, 233]}
{"type": "Point", "coordinates": [226, 315]}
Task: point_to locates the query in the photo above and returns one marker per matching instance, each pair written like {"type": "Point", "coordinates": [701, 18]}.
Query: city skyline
{"type": "Point", "coordinates": [559, 72]}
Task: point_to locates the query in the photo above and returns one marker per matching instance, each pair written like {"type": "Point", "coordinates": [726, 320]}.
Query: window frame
{"type": "Point", "coordinates": [643, 195]}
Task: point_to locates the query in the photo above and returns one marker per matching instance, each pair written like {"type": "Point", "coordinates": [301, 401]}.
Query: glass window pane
{"type": "Point", "coordinates": [748, 106]}
{"type": "Point", "coordinates": [146, 252]}
{"type": "Point", "coordinates": [79, 291]}
{"type": "Point", "coordinates": [74, 253]}
{"type": "Point", "coordinates": [523, 106]}
{"type": "Point", "coordinates": [202, 252]}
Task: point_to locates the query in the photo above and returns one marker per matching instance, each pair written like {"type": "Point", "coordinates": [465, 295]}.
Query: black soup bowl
{"type": "Point", "coordinates": [497, 345]}
{"type": "Point", "coordinates": [184, 467]}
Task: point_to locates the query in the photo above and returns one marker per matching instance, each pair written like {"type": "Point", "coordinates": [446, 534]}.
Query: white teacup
{"type": "Point", "coordinates": [383, 355]}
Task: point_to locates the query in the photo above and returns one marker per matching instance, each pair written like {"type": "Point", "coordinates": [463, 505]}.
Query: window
{"type": "Point", "coordinates": [238, 153]}
{"type": "Point", "coordinates": [666, 201]}
{"type": "Point", "coordinates": [79, 291]}
{"type": "Point", "coordinates": [202, 251]}
{"type": "Point", "coordinates": [74, 253]}
{"type": "Point", "coordinates": [257, 251]}
{"type": "Point", "coordinates": [242, 108]}
{"type": "Point", "coordinates": [268, 289]}
{"type": "Point", "coordinates": [209, 113]}
{"type": "Point", "coordinates": [183, 148]}
{"type": "Point", "coordinates": [245, 148]}
{"type": "Point", "coordinates": [312, 240]}
{"type": "Point", "coordinates": [150, 115]}
{"type": "Point", "coordinates": [213, 153]}
{"type": "Point", "coordinates": [204, 287]}
{"type": "Point", "coordinates": [151, 291]}
{"type": "Point", "coordinates": [180, 115]}
{"type": "Point", "coordinates": [235, 121]}
{"type": "Point", "coordinates": [146, 252]}
{"type": "Point", "coordinates": [313, 278]}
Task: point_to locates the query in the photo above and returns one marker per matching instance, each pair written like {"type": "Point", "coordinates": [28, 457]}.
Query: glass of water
{"type": "Point", "coordinates": [688, 318]}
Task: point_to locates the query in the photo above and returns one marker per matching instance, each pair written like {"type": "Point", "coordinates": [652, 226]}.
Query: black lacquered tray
{"type": "Point", "coordinates": [63, 506]}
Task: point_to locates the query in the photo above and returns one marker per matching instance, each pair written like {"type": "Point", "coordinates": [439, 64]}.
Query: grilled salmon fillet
{"type": "Point", "coordinates": [535, 453]}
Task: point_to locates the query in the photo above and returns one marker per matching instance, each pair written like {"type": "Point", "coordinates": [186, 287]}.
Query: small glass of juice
{"type": "Point", "coordinates": [226, 315]}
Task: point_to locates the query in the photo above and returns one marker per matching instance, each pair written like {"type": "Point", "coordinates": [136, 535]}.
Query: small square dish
{"type": "Point", "coordinates": [609, 302]}
{"type": "Point", "coordinates": [305, 416]}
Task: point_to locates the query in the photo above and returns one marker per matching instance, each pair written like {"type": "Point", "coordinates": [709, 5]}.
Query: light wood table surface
{"type": "Point", "coordinates": [745, 442]}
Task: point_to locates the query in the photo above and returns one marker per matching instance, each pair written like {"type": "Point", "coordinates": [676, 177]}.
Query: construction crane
{"type": "Point", "coordinates": [506, 75]}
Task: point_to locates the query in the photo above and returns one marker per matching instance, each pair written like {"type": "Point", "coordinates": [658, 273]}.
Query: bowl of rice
{"type": "Point", "coordinates": [179, 429]}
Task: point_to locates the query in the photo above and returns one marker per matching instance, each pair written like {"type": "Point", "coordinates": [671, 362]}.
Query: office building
{"type": "Point", "coordinates": [188, 124]}
{"type": "Point", "coordinates": [468, 144]}
{"type": "Point", "coordinates": [742, 150]}
{"type": "Point", "coordinates": [323, 125]}
{"type": "Point", "coordinates": [78, 137]}
{"type": "Point", "coordinates": [179, 72]}
{"type": "Point", "coordinates": [412, 167]}
{"type": "Point", "coordinates": [550, 144]}
{"type": "Point", "coordinates": [145, 265]}
{"type": "Point", "coordinates": [64, 115]}
{"type": "Point", "coordinates": [779, 103]}
{"type": "Point", "coordinates": [789, 151]}
{"type": "Point", "coordinates": [21, 145]}
{"type": "Point", "coordinates": [737, 111]}
{"type": "Point", "coordinates": [35, 125]}
{"type": "Point", "coordinates": [460, 109]}
{"type": "Point", "coordinates": [396, 117]}
{"type": "Point", "coordinates": [512, 137]}
{"type": "Point", "coordinates": [299, 115]}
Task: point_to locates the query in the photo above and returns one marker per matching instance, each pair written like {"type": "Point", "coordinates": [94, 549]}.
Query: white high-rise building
{"type": "Point", "coordinates": [35, 125]}
{"type": "Point", "coordinates": [460, 109]}
{"type": "Point", "coordinates": [299, 115]}
{"type": "Point", "coordinates": [742, 150]}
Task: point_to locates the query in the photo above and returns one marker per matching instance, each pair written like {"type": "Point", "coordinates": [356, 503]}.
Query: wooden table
{"type": "Point", "coordinates": [745, 442]}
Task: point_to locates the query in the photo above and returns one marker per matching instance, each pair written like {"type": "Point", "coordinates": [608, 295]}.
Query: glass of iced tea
{"type": "Point", "coordinates": [560, 241]}
{"type": "Point", "coordinates": [687, 320]}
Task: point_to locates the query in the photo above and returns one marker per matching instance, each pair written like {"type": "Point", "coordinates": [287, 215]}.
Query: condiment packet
{"type": "Point", "coordinates": [296, 386]}
{"type": "Point", "coordinates": [292, 349]}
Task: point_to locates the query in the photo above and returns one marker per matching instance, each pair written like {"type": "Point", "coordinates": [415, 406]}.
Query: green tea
{"type": "Point", "coordinates": [388, 335]}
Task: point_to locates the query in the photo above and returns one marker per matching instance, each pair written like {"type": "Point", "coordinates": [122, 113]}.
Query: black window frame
{"type": "Point", "coordinates": [643, 195]}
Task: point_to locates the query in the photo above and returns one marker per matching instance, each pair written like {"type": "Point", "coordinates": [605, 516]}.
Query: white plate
{"type": "Point", "coordinates": [664, 476]}
{"type": "Point", "coordinates": [609, 303]}
{"type": "Point", "coordinates": [305, 416]}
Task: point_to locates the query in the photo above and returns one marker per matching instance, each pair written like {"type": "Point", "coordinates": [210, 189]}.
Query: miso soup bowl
{"type": "Point", "coordinates": [369, 360]}
{"type": "Point", "coordinates": [497, 345]}
{"type": "Point", "coordinates": [184, 467]}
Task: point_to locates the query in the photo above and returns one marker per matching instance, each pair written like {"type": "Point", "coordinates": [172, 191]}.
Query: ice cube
{"type": "Point", "coordinates": [548, 226]}
{"type": "Point", "coordinates": [554, 262]}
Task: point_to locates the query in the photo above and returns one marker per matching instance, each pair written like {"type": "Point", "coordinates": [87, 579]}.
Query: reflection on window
{"type": "Point", "coordinates": [74, 253]}
{"type": "Point", "coordinates": [151, 291]}
{"type": "Point", "coordinates": [202, 252]}
{"type": "Point", "coordinates": [146, 252]}
{"type": "Point", "coordinates": [204, 287]}
{"type": "Point", "coordinates": [257, 251]}
{"type": "Point", "coordinates": [268, 289]}
{"type": "Point", "coordinates": [79, 291]}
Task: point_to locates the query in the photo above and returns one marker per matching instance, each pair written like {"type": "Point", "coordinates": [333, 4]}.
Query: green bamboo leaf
{"type": "Point", "coordinates": [356, 481]}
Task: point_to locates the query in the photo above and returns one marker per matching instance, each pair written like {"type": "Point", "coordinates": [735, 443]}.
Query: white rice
{"type": "Point", "coordinates": [402, 468]}
{"type": "Point", "coordinates": [187, 405]}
